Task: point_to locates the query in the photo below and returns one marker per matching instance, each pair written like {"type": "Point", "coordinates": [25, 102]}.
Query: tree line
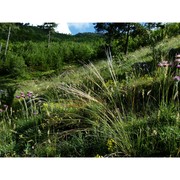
{"type": "Point", "coordinates": [28, 48]}
{"type": "Point", "coordinates": [131, 36]}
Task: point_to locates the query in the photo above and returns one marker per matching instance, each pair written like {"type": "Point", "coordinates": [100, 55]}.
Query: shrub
{"type": "Point", "coordinates": [14, 65]}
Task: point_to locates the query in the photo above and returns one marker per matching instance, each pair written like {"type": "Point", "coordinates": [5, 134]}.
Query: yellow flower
{"type": "Point", "coordinates": [45, 105]}
{"type": "Point", "coordinates": [154, 133]}
{"type": "Point", "coordinates": [98, 156]}
{"type": "Point", "coordinates": [111, 145]}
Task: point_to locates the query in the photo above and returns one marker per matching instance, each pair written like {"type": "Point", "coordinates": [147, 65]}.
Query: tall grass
{"type": "Point", "coordinates": [109, 109]}
{"type": "Point", "coordinates": [107, 120]}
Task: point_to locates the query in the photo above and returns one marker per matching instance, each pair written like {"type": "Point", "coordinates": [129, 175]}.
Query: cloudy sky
{"type": "Point", "coordinates": [69, 28]}
{"type": "Point", "coordinates": [74, 28]}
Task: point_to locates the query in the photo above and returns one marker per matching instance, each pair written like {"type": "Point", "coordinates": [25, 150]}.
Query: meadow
{"type": "Point", "coordinates": [119, 106]}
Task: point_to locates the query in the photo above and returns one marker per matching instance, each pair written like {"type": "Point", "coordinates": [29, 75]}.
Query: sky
{"type": "Point", "coordinates": [75, 28]}
{"type": "Point", "coordinates": [70, 28]}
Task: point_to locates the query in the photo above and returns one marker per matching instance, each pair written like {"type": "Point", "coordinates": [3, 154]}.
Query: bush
{"type": "Point", "coordinates": [13, 65]}
{"type": "Point", "coordinates": [77, 53]}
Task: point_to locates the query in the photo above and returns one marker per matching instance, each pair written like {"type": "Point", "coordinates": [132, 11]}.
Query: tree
{"type": "Point", "coordinates": [120, 31]}
{"type": "Point", "coordinates": [7, 42]}
{"type": "Point", "coordinates": [7, 27]}
{"type": "Point", "coordinates": [156, 31]}
{"type": "Point", "coordinates": [50, 28]}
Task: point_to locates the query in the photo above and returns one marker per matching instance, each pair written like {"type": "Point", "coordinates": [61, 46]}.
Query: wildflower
{"type": "Point", "coordinates": [18, 97]}
{"type": "Point", "coordinates": [177, 60]}
{"type": "Point", "coordinates": [111, 145]}
{"type": "Point", "coordinates": [98, 156]}
{"type": "Point", "coordinates": [164, 64]}
{"type": "Point", "coordinates": [29, 94]}
{"type": "Point", "coordinates": [45, 105]}
{"type": "Point", "coordinates": [177, 55]}
{"type": "Point", "coordinates": [154, 133]}
{"type": "Point", "coordinates": [177, 78]}
{"type": "Point", "coordinates": [178, 66]}
{"type": "Point", "coordinates": [5, 106]}
{"type": "Point", "coordinates": [22, 94]}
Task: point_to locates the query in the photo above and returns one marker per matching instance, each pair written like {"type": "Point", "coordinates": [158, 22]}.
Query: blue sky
{"type": "Point", "coordinates": [75, 28]}
{"type": "Point", "coordinates": [70, 28]}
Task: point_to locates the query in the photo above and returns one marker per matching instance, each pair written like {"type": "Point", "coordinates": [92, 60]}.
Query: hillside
{"type": "Point", "coordinates": [24, 32]}
{"type": "Point", "coordinates": [120, 106]}
{"type": "Point", "coordinates": [31, 51]}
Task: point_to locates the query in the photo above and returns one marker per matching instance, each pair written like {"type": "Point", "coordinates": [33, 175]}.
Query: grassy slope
{"type": "Point", "coordinates": [103, 110]}
{"type": "Point", "coordinates": [77, 74]}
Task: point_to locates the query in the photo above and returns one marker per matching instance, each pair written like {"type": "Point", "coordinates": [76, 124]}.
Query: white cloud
{"type": "Point", "coordinates": [63, 28]}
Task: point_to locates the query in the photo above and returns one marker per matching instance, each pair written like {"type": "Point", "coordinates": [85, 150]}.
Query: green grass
{"type": "Point", "coordinates": [111, 108]}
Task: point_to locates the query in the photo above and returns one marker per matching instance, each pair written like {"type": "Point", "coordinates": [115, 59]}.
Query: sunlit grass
{"type": "Point", "coordinates": [108, 109]}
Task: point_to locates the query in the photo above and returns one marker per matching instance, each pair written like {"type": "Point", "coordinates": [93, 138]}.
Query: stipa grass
{"type": "Point", "coordinates": [109, 116]}
{"type": "Point", "coordinates": [104, 109]}
{"type": "Point", "coordinates": [110, 119]}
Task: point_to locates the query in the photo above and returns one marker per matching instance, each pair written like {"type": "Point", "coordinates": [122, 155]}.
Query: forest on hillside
{"type": "Point", "coordinates": [25, 48]}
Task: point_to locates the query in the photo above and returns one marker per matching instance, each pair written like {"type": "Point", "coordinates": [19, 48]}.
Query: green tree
{"type": "Point", "coordinates": [120, 31]}
{"type": "Point", "coordinates": [7, 28]}
{"type": "Point", "coordinates": [156, 31]}
{"type": "Point", "coordinates": [50, 28]}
